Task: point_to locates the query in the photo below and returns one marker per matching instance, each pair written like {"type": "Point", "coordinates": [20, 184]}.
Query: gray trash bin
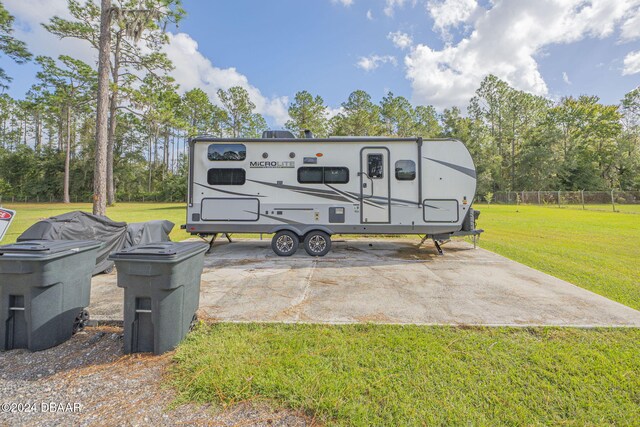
{"type": "Point", "coordinates": [161, 284]}
{"type": "Point", "coordinates": [44, 289]}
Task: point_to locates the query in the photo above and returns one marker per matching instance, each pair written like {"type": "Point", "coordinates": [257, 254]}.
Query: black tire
{"type": "Point", "coordinates": [81, 321]}
{"type": "Point", "coordinates": [317, 243]}
{"type": "Point", "coordinates": [285, 243]}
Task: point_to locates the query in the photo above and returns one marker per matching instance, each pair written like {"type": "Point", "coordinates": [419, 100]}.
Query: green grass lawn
{"type": "Point", "coordinates": [599, 251]}
{"type": "Point", "coordinates": [607, 208]}
{"type": "Point", "coordinates": [377, 375]}
{"type": "Point", "coordinates": [419, 375]}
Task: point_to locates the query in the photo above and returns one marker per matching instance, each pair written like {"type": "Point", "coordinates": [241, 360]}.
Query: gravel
{"type": "Point", "coordinates": [88, 380]}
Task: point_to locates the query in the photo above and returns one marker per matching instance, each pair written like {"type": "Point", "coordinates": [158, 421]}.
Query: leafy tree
{"type": "Point", "coordinates": [308, 113]}
{"type": "Point", "coordinates": [508, 114]}
{"type": "Point", "coordinates": [35, 106]}
{"type": "Point", "coordinates": [200, 115]}
{"type": "Point", "coordinates": [628, 155]}
{"type": "Point", "coordinates": [9, 45]}
{"type": "Point", "coordinates": [360, 116]}
{"type": "Point", "coordinates": [72, 86]}
{"type": "Point", "coordinates": [156, 103]}
{"type": "Point", "coordinates": [239, 120]}
{"type": "Point", "coordinates": [588, 132]}
{"type": "Point", "coordinates": [426, 121]}
{"type": "Point", "coordinates": [136, 36]}
{"type": "Point", "coordinates": [398, 116]}
{"type": "Point", "coordinates": [8, 107]}
{"type": "Point", "coordinates": [454, 125]}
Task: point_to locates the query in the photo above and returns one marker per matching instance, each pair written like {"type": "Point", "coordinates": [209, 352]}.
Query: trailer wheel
{"type": "Point", "coordinates": [317, 243]}
{"type": "Point", "coordinates": [285, 243]}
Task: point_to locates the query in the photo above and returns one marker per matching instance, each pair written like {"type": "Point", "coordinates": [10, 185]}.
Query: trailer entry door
{"type": "Point", "coordinates": [375, 186]}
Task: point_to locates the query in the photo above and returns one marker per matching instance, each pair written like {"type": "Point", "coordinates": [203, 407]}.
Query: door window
{"type": "Point", "coordinates": [375, 166]}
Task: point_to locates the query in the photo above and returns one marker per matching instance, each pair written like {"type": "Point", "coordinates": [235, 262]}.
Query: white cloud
{"type": "Point", "coordinates": [400, 40]}
{"type": "Point", "coordinates": [370, 63]}
{"type": "Point", "coordinates": [450, 13]}
{"type": "Point", "coordinates": [332, 112]}
{"type": "Point", "coordinates": [391, 5]}
{"type": "Point", "coordinates": [631, 63]}
{"type": "Point", "coordinates": [630, 30]}
{"type": "Point", "coordinates": [369, 15]}
{"type": "Point", "coordinates": [506, 40]}
{"type": "Point", "coordinates": [29, 17]}
{"type": "Point", "coordinates": [32, 13]}
{"type": "Point", "coordinates": [565, 78]}
{"type": "Point", "coordinates": [345, 3]}
{"type": "Point", "coordinates": [194, 70]}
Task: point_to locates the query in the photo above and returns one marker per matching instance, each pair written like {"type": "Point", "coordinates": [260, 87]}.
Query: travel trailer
{"type": "Point", "coordinates": [303, 190]}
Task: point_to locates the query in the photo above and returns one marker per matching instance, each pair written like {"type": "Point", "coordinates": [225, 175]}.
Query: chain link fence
{"type": "Point", "coordinates": [615, 200]}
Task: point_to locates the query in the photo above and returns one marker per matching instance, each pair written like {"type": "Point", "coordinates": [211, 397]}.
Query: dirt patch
{"type": "Point", "coordinates": [415, 253]}
{"type": "Point", "coordinates": [234, 261]}
{"type": "Point", "coordinates": [353, 249]}
{"type": "Point", "coordinates": [88, 380]}
{"type": "Point", "coordinates": [294, 311]}
{"type": "Point", "coordinates": [375, 318]}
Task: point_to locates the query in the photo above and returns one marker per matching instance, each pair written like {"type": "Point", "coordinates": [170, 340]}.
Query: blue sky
{"type": "Point", "coordinates": [430, 51]}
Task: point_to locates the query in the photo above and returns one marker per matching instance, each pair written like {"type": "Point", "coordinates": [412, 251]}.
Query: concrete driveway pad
{"type": "Point", "coordinates": [381, 281]}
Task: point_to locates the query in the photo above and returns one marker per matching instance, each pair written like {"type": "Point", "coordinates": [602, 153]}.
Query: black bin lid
{"type": "Point", "coordinates": [161, 251]}
{"type": "Point", "coordinates": [44, 248]}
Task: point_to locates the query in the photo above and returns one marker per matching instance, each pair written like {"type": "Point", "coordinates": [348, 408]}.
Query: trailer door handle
{"type": "Point", "coordinates": [364, 185]}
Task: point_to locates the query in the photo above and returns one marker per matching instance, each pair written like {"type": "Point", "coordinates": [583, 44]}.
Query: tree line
{"type": "Point", "coordinates": [519, 141]}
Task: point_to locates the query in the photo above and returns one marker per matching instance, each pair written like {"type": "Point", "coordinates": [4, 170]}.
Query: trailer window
{"type": "Point", "coordinates": [320, 175]}
{"type": "Point", "coordinates": [216, 176]}
{"type": "Point", "coordinates": [225, 152]}
{"type": "Point", "coordinates": [405, 170]}
{"type": "Point", "coordinates": [333, 175]}
{"type": "Point", "coordinates": [310, 175]}
{"type": "Point", "coordinates": [375, 165]}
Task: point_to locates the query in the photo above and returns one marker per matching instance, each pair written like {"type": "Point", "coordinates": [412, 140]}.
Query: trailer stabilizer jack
{"type": "Point", "coordinates": [213, 240]}
{"type": "Point", "coordinates": [440, 251]}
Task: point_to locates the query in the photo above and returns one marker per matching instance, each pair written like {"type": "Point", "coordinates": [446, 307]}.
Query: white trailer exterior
{"type": "Point", "coordinates": [303, 188]}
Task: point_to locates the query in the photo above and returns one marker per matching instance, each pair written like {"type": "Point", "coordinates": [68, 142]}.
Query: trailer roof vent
{"type": "Point", "coordinates": [280, 134]}
{"type": "Point", "coordinates": [308, 134]}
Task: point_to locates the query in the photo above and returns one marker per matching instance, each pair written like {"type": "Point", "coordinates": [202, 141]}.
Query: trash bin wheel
{"type": "Point", "coordinates": [81, 321]}
{"type": "Point", "coordinates": [194, 322]}
{"type": "Point", "coordinates": [108, 270]}
{"type": "Point", "coordinates": [285, 243]}
{"type": "Point", "coordinates": [317, 243]}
